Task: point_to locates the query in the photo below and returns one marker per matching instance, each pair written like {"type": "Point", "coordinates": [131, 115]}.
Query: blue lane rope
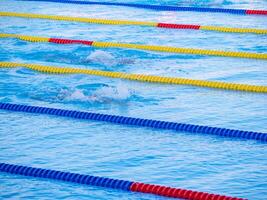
{"type": "Point", "coordinates": [137, 121]}
{"type": "Point", "coordinates": [153, 7]}
{"type": "Point", "coordinates": [66, 176]}
{"type": "Point", "coordinates": [112, 183]}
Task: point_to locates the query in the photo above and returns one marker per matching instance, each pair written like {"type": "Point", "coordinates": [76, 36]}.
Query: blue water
{"type": "Point", "coordinates": [213, 164]}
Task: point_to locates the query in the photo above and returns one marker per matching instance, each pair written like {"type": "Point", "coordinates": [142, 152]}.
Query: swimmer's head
{"type": "Point", "coordinates": [126, 61]}
{"type": "Point", "coordinates": [101, 57]}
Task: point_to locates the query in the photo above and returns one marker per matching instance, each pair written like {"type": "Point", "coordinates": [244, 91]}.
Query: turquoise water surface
{"type": "Point", "coordinates": [233, 167]}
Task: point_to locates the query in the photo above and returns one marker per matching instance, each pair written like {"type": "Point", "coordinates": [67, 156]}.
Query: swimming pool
{"type": "Point", "coordinates": [231, 166]}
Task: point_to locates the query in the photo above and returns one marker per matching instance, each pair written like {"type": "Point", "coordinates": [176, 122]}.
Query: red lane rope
{"type": "Point", "coordinates": [70, 41]}
{"type": "Point", "coordinates": [177, 193]}
{"type": "Point", "coordinates": [178, 26]}
{"type": "Point", "coordinates": [256, 12]}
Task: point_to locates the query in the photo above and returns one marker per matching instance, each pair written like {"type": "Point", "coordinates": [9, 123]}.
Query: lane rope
{"type": "Point", "coordinates": [139, 77]}
{"type": "Point", "coordinates": [157, 124]}
{"type": "Point", "coordinates": [135, 23]}
{"type": "Point", "coordinates": [163, 7]}
{"type": "Point", "coordinates": [168, 49]}
{"type": "Point", "coordinates": [111, 183]}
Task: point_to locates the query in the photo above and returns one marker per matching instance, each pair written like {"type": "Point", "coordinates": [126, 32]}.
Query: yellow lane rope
{"type": "Point", "coordinates": [147, 47]}
{"type": "Point", "coordinates": [182, 50]}
{"type": "Point", "coordinates": [233, 30]}
{"type": "Point", "coordinates": [136, 23]}
{"type": "Point", "coordinates": [139, 77]}
{"type": "Point", "coordinates": [78, 19]}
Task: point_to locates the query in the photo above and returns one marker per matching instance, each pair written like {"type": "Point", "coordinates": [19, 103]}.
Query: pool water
{"type": "Point", "coordinates": [234, 167]}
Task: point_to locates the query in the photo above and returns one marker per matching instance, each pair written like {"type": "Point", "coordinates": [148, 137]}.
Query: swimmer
{"type": "Point", "coordinates": [65, 94]}
{"type": "Point", "coordinates": [105, 94]}
{"type": "Point", "coordinates": [107, 59]}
